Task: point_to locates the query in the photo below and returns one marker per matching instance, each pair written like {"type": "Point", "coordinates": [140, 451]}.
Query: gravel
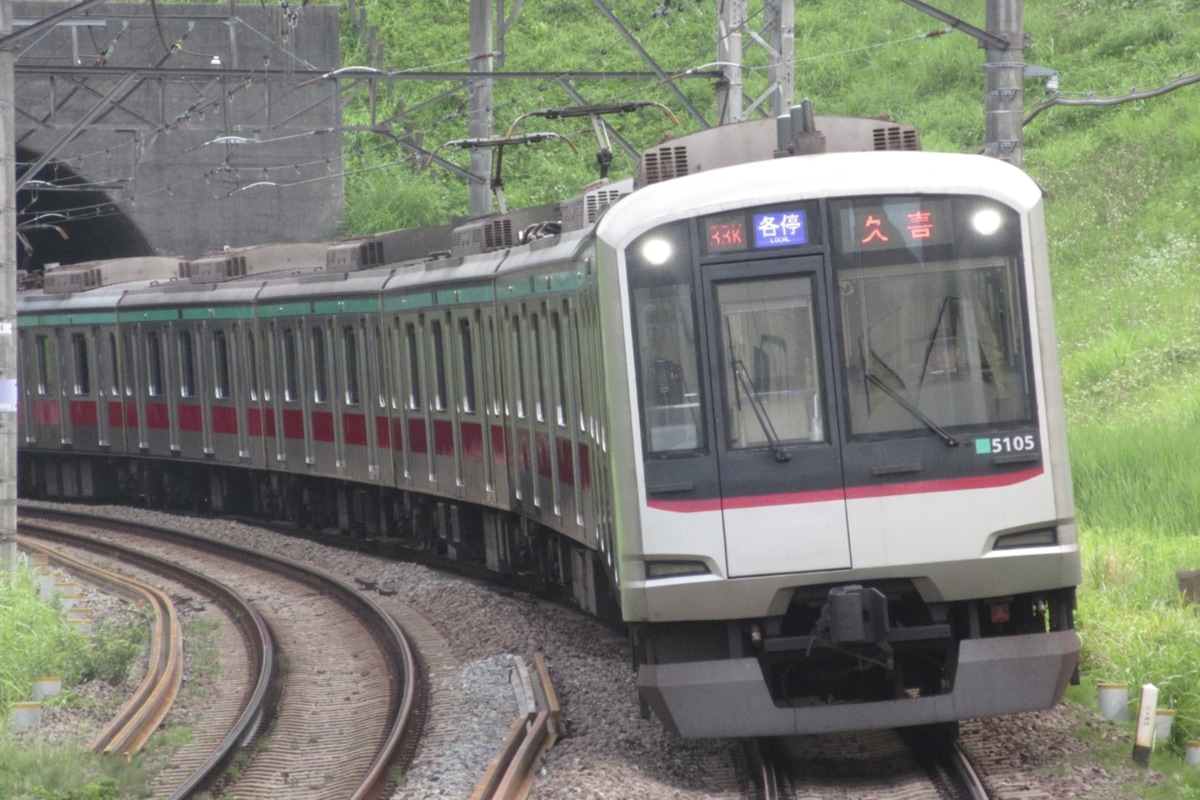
{"type": "Point", "coordinates": [609, 752]}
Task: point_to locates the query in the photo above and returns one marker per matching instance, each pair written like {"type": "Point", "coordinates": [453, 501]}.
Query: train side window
{"type": "Point", "coordinates": [154, 363]}
{"type": "Point", "coordinates": [45, 365]}
{"type": "Point", "coordinates": [439, 365]}
{"type": "Point", "coordinates": [114, 369]}
{"type": "Point", "coordinates": [350, 352]}
{"type": "Point", "coordinates": [578, 352]}
{"type": "Point", "coordinates": [466, 344]}
{"type": "Point", "coordinates": [187, 365]}
{"type": "Point", "coordinates": [414, 367]}
{"type": "Point", "coordinates": [518, 359]}
{"type": "Point", "coordinates": [252, 366]}
{"type": "Point", "coordinates": [83, 378]}
{"type": "Point", "coordinates": [320, 366]}
{"type": "Point", "coordinates": [131, 374]}
{"type": "Point", "coordinates": [491, 381]}
{"type": "Point", "coordinates": [379, 371]}
{"type": "Point", "coordinates": [220, 365]}
{"type": "Point", "coordinates": [291, 391]}
{"type": "Point", "coordinates": [539, 370]}
{"type": "Point", "coordinates": [560, 369]}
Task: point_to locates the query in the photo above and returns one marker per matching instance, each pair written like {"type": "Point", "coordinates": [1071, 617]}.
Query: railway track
{"type": "Point", "coordinates": [510, 774]}
{"type": "Point", "coordinates": [345, 717]}
{"type": "Point", "coordinates": [911, 764]}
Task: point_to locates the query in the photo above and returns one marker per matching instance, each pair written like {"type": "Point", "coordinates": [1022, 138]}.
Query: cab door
{"type": "Point", "coordinates": [777, 444]}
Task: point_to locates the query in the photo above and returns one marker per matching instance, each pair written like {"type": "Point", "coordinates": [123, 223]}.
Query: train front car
{"type": "Point", "coordinates": [849, 504]}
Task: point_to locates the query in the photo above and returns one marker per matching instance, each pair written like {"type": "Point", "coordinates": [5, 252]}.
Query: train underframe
{"type": "Point", "coordinates": [505, 543]}
{"type": "Point", "coordinates": [859, 656]}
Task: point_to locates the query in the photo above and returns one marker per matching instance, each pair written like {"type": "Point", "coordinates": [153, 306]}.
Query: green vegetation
{"type": "Point", "coordinates": [35, 641]}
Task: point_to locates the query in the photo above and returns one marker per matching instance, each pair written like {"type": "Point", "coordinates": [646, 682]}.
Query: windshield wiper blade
{"type": "Point", "coordinates": [760, 411]}
{"type": "Point", "coordinates": [911, 408]}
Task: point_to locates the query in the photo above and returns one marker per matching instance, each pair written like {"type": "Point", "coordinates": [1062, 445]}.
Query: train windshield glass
{"type": "Point", "coordinates": [932, 327]}
{"type": "Point", "coordinates": [664, 327]}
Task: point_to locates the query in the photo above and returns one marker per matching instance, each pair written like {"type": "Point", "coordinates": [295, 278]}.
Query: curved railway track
{"type": "Point", "coordinates": [351, 682]}
{"type": "Point", "coordinates": [146, 709]}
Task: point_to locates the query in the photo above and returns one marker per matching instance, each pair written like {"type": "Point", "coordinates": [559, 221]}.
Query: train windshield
{"type": "Point", "coordinates": [932, 330]}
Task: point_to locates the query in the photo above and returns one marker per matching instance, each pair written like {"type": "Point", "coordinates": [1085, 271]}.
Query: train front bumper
{"type": "Point", "coordinates": [728, 698]}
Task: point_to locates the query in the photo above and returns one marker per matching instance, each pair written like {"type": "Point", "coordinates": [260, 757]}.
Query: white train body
{"type": "Point", "coordinates": [799, 417]}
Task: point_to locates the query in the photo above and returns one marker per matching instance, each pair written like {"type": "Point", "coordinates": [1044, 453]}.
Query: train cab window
{"type": "Point", "coordinates": [466, 347]}
{"type": "Point", "coordinates": [291, 380]}
{"type": "Point", "coordinates": [114, 366]}
{"type": "Point", "coordinates": [439, 365]}
{"type": "Point", "coordinates": [320, 365]}
{"type": "Point", "coordinates": [350, 355]}
{"type": "Point", "coordinates": [45, 365]}
{"type": "Point", "coordinates": [932, 330]}
{"type": "Point", "coordinates": [414, 367]}
{"type": "Point", "coordinates": [187, 365]}
{"type": "Point", "coordinates": [662, 297]}
{"type": "Point", "coordinates": [220, 344]}
{"type": "Point", "coordinates": [771, 388]}
{"type": "Point", "coordinates": [154, 365]}
{"type": "Point", "coordinates": [83, 378]}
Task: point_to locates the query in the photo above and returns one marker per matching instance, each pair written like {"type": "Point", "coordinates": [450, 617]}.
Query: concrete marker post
{"type": "Point", "coordinates": [1143, 741]}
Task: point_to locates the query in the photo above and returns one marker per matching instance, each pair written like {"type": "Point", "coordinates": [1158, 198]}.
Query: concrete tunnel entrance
{"type": "Point", "coordinates": [63, 218]}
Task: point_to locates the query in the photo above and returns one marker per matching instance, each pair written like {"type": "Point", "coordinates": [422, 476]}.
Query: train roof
{"type": "Point", "coordinates": [817, 176]}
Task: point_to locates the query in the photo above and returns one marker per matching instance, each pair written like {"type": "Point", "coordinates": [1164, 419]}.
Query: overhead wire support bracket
{"type": "Point", "coordinates": [594, 112]}
{"type": "Point", "coordinates": [499, 143]}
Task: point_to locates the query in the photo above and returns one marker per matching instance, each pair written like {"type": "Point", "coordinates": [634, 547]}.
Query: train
{"type": "Point", "coordinates": [786, 400]}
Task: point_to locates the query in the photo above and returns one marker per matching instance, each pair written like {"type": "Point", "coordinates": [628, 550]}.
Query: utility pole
{"type": "Point", "coordinates": [8, 300]}
{"type": "Point", "coordinates": [481, 52]}
{"type": "Point", "coordinates": [776, 37]}
{"type": "Point", "coordinates": [1004, 72]}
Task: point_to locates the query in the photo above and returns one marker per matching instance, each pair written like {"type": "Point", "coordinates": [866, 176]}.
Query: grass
{"type": "Point", "coordinates": [35, 641]}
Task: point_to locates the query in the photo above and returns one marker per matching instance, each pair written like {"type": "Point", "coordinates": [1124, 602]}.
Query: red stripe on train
{"type": "Point", "coordinates": [853, 493]}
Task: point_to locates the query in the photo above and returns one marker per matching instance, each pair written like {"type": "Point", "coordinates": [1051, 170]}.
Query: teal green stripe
{"type": "Point", "coordinates": [409, 302]}
{"type": "Point", "coordinates": [94, 318]}
{"type": "Point", "coordinates": [219, 312]}
{"type": "Point", "coordinates": [543, 284]}
{"type": "Point", "coordinates": [357, 306]}
{"type": "Point", "coordinates": [284, 309]}
{"type": "Point", "coordinates": [149, 315]}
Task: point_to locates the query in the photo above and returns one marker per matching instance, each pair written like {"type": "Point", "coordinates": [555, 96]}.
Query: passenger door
{"type": "Point", "coordinates": [778, 450]}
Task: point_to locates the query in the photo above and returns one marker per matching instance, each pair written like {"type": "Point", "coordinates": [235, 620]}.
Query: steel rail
{"type": "Point", "coordinates": [145, 709]}
{"type": "Point", "coordinates": [402, 660]}
{"type": "Point", "coordinates": [245, 617]}
{"type": "Point", "coordinates": [510, 774]}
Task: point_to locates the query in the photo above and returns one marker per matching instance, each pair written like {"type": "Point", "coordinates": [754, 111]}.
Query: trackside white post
{"type": "Point", "coordinates": [1143, 741]}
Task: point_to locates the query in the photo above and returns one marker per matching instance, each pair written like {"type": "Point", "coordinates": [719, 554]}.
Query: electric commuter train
{"type": "Point", "coordinates": [788, 400]}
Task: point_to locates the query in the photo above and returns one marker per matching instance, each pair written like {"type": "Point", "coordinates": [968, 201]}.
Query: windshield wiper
{"type": "Point", "coordinates": [911, 408]}
{"type": "Point", "coordinates": [760, 411]}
